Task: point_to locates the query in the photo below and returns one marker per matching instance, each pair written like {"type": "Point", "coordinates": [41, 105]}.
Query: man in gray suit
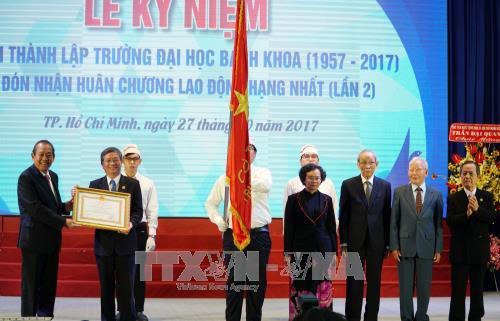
{"type": "Point", "coordinates": [416, 238]}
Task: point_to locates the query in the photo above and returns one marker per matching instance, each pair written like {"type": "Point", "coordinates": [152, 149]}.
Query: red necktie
{"type": "Point", "coordinates": [419, 200]}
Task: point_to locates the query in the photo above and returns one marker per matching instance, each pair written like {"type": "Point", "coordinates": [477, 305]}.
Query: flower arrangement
{"type": "Point", "coordinates": [494, 263]}
{"type": "Point", "coordinates": [489, 165]}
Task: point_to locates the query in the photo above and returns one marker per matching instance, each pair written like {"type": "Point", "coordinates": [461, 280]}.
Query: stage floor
{"type": "Point", "coordinates": [213, 309]}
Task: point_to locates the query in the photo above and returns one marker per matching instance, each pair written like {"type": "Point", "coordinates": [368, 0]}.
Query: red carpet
{"type": "Point", "coordinates": [78, 273]}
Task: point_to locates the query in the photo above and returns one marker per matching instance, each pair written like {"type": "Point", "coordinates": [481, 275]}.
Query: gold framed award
{"type": "Point", "coordinates": [101, 209]}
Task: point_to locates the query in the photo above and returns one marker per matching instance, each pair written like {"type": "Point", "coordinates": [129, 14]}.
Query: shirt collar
{"type": "Point", "coordinates": [470, 193]}
{"type": "Point", "coordinates": [414, 187]}
{"type": "Point", "coordinates": [369, 180]}
{"type": "Point", "coordinates": [116, 179]}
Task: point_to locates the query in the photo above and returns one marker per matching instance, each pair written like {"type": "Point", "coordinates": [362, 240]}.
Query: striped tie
{"type": "Point", "coordinates": [368, 190]}
{"type": "Point", "coordinates": [419, 200]}
{"type": "Point", "coordinates": [113, 185]}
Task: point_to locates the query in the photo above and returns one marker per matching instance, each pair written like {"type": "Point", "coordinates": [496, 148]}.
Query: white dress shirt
{"type": "Point", "coordinates": [149, 202]}
{"type": "Point", "coordinates": [116, 179]}
{"type": "Point", "coordinates": [363, 180]}
{"type": "Point", "coordinates": [261, 186]}
{"type": "Point", "coordinates": [470, 193]}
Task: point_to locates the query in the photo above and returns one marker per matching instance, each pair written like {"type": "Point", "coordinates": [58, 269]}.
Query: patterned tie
{"type": "Point", "coordinates": [368, 190]}
{"type": "Point", "coordinates": [113, 185]}
{"type": "Point", "coordinates": [419, 200]}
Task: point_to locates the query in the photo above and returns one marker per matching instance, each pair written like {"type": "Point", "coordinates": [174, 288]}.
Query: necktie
{"type": "Point", "coordinates": [368, 190]}
{"type": "Point", "coordinates": [113, 185]}
{"type": "Point", "coordinates": [47, 177]}
{"type": "Point", "coordinates": [419, 200]}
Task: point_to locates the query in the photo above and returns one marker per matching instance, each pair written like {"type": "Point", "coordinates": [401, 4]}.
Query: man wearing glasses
{"type": "Point", "coordinates": [146, 230]}
{"type": "Point", "coordinates": [416, 239]}
{"type": "Point", "coordinates": [365, 215]}
{"type": "Point", "coordinates": [115, 251]}
{"type": "Point", "coordinates": [309, 155]}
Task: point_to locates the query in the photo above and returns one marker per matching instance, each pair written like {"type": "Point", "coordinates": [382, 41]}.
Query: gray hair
{"type": "Point", "coordinates": [368, 151]}
{"type": "Point", "coordinates": [419, 159]}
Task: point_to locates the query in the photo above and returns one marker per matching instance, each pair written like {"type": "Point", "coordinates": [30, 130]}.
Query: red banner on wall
{"type": "Point", "coordinates": [474, 133]}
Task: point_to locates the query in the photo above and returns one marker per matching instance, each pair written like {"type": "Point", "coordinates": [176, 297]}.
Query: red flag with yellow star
{"type": "Point", "coordinates": [238, 157]}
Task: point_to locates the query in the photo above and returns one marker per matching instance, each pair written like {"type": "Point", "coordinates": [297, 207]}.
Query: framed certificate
{"type": "Point", "coordinates": [101, 209]}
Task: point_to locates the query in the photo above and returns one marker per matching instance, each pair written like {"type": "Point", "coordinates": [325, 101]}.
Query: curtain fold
{"type": "Point", "coordinates": [473, 63]}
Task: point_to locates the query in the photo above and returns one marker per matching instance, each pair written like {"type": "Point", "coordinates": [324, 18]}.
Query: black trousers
{"type": "Point", "coordinates": [38, 283]}
{"type": "Point", "coordinates": [140, 286]}
{"type": "Point", "coordinates": [460, 272]}
{"type": "Point", "coordinates": [117, 270]}
{"type": "Point", "coordinates": [372, 262]}
{"type": "Point", "coordinates": [254, 291]}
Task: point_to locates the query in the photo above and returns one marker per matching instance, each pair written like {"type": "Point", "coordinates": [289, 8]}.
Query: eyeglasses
{"type": "Point", "coordinates": [313, 178]}
{"type": "Point", "coordinates": [310, 156]}
{"type": "Point", "coordinates": [132, 159]}
{"type": "Point", "coordinates": [365, 163]}
{"type": "Point", "coordinates": [111, 161]}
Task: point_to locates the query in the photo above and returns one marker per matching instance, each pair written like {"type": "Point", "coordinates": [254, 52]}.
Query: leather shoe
{"type": "Point", "coordinates": [141, 316]}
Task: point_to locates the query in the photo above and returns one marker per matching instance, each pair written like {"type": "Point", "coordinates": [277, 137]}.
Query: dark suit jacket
{"type": "Point", "coordinates": [357, 216]}
{"type": "Point", "coordinates": [41, 220]}
{"type": "Point", "coordinates": [106, 242]}
{"type": "Point", "coordinates": [470, 241]}
{"type": "Point", "coordinates": [416, 234]}
{"type": "Point", "coordinates": [303, 235]}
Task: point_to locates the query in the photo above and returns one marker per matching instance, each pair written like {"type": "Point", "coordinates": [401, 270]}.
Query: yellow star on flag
{"type": "Point", "coordinates": [243, 103]}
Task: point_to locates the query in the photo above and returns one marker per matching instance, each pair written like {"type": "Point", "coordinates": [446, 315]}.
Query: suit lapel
{"type": "Point", "coordinates": [361, 190]}
{"type": "Point", "coordinates": [480, 196]}
{"type": "Point", "coordinates": [428, 199]}
{"type": "Point", "coordinates": [44, 182]}
{"type": "Point", "coordinates": [104, 183]}
{"type": "Point", "coordinates": [375, 190]}
{"type": "Point", "coordinates": [122, 185]}
{"type": "Point", "coordinates": [54, 184]}
{"type": "Point", "coordinates": [408, 195]}
{"type": "Point", "coordinates": [462, 198]}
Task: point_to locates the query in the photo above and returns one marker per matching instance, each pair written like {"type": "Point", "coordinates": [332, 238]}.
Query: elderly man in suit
{"type": "Point", "coordinates": [40, 231]}
{"type": "Point", "coordinates": [365, 213]}
{"type": "Point", "coordinates": [416, 238]}
{"type": "Point", "coordinates": [470, 211]}
{"type": "Point", "coordinates": [115, 251]}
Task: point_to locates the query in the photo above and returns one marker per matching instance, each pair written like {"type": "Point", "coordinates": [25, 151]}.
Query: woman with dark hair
{"type": "Point", "coordinates": [310, 240]}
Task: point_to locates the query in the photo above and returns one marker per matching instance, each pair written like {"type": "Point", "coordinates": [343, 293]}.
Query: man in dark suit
{"type": "Point", "coordinates": [470, 211]}
{"type": "Point", "coordinates": [365, 214]}
{"type": "Point", "coordinates": [416, 238]}
{"type": "Point", "coordinates": [40, 231]}
{"type": "Point", "coordinates": [115, 251]}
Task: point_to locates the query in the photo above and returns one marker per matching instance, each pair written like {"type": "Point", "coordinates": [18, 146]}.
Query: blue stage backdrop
{"type": "Point", "coordinates": [343, 75]}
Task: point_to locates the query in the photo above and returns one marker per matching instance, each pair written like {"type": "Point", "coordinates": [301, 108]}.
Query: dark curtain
{"type": "Point", "coordinates": [474, 69]}
{"type": "Point", "coordinates": [474, 62]}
